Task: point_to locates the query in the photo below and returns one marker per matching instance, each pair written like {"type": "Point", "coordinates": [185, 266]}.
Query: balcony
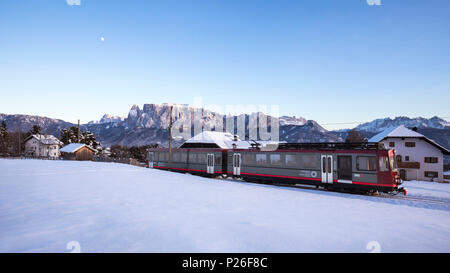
{"type": "Point", "coordinates": [408, 165]}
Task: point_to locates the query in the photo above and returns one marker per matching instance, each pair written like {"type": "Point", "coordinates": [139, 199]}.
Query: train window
{"type": "Point", "coordinates": [176, 157]}
{"type": "Point", "coordinates": [275, 159]}
{"type": "Point", "coordinates": [218, 159]}
{"type": "Point", "coordinates": [261, 159]}
{"type": "Point", "coordinates": [384, 163]}
{"type": "Point", "coordinates": [183, 157]}
{"type": "Point", "coordinates": [309, 161]}
{"type": "Point", "coordinates": [366, 163]}
{"type": "Point", "coordinates": [248, 158]}
{"type": "Point", "coordinates": [201, 158]}
{"type": "Point", "coordinates": [192, 158]}
{"type": "Point", "coordinates": [291, 160]}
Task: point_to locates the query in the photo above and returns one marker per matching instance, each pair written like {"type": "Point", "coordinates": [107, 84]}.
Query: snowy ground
{"type": "Point", "coordinates": [109, 207]}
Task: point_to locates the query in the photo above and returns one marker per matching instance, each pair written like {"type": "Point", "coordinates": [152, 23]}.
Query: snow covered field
{"type": "Point", "coordinates": [108, 207]}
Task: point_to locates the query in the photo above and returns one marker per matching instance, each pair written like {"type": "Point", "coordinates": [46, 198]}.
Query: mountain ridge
{"type": "Point", "coordinates": [150, 124]}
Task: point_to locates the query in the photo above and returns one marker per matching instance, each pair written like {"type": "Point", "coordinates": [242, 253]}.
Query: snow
{"type": "Point", "coordinates": [46, 139]}
{"type": "Point", "coordinates": [225, 140]}
{"type": "Point", "coordinates": [110, 207]}
{"type": "Point", "coordinates": [428, 189]}
{"type": "Point", "coordinates": [72, 147]}
{"type": "Point", "coordinates": [399, 131]}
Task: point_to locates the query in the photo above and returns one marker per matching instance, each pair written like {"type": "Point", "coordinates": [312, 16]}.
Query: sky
{"type": "Point", "coordinates": [333, 61]}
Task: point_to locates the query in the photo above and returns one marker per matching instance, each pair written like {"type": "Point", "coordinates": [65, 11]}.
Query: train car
{"type": "Point", "coordinates": [367, 167]}
{"type": "Point", "coordinates": [203, 161]}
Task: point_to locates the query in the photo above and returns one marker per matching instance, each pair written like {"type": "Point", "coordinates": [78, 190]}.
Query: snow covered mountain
{"type": "Point", "coordinates": [285, 120]}
{"type": "Point", "coordinates": [379, 125]}
{"type": "Point", "coordinates": [150, 125]}
{"type": "Point", "coordinates": [107, 118]}
{"type": "Point", "coordinates": [25, 122]}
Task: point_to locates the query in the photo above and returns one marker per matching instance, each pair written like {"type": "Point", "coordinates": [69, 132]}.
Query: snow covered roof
{"type": "Point", "coordinates": [73, 147]}
{"type": "Point", "coordinates": [399, 131]}
{"type": "Point", "coordinates": [223, 140]}
{"type": "Point", "coordinates": [402, 131]}
{"type": "Point", "coordinates": [46, 139]}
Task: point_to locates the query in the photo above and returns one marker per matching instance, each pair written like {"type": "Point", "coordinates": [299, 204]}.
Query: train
{"type": "Point", "coordinates": [356, 167]}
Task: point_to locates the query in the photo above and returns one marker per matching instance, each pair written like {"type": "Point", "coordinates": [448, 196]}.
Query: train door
{"type": "Point", "coordinates": [151, 156]}
{"type": "Point", "coordinates": [236, 164]}
{"type": "Point", "coordinates": [210, 163]}
{"type": "Point", "coordinates": [344, 167]}
{"type": "Point", "coordinates": [327, 168]}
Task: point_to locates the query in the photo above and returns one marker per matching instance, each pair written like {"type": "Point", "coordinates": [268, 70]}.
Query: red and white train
{"type": "Point", "coordinates": [363, 167]}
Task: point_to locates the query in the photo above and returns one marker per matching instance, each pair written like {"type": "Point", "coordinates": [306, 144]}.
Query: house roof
{"type": "Point", "coordinates": [401, 131]}
{"type": "Point", "coordinates": [73, 147]}
{"type": "Point", "coordinates": [45, 139]}
{"type": "Point", "coordinates": [223, 140]}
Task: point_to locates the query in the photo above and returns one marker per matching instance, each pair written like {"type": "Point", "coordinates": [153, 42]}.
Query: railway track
{"type": "Point", "coordinates": [381, 195]}
{"type": "Point", "coordinates": [417, 199]}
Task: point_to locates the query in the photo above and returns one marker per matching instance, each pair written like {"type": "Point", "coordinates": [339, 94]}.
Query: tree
{"type": "Point", "coordinates": [70, 135]}
{"type": "Point", "coordinates": [35, 130]}
{"type": "Point", "coordinates": [3, 137]}
{"type": "Point", "coordinates": [354, 136]}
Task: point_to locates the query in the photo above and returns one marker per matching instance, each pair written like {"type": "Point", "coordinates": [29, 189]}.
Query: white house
{"type": "Point", "coordinates": [418, 157]}
{"type": "Point", "coordinates": [42, 145]}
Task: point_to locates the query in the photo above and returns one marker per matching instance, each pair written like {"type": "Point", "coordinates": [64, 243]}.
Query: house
{"type": "Point", "coordinates": [418, 157]}
{"type": "Point", "coordinates": [77, 151]}
{"type": "Point", "coordinates": [42, 146]}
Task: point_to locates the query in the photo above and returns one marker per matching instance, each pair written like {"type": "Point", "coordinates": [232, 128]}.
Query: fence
{"type": "Point", "coordinates": [130, 161]}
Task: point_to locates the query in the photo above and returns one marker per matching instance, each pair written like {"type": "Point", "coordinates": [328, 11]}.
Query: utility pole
{"type": "Point", "coordinates": [78, 135]}
{"type": "Point", "coordinates": [170, 139]}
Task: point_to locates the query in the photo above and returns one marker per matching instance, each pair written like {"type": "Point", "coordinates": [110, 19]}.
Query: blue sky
{"type": "Point", "coordinates": [332, 61]}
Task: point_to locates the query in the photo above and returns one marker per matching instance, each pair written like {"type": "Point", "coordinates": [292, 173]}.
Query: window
{"type": "Point", "coordinates": [406, 157]}
{"type": "Point", "coordinates": [261, 159]}
{"type": "Point", "coordinates": [192, 158]}
{"type": "Point", "coordinates": [292, 160]}
{"type": "Point", "coordinates": [218, 159]}
{"type": "Point", "coordinates": [430, 160]}
{"type": "Point", "coordinates": [201, 158]}
{"type": "Point", "coordinates": [384, 163]}
{"type": "Point", "coordinates": [398, 158]}
{"type": "Point", "coordinates": [366, 163]}
{"type": "Point", "coordinates": [309, 161]}
{"type": "Point", "coordinates": [410, 144]}
{"type": "Point", "coordinates": [431, 174]}
{"type": "Point", "coordinates": [183, 157]}
{"type": "Point", "coordinates": [248, 158]}
{"type": "Point", "coordinates": [176, 157]}
{"type": "Point", "coordinates": [275, 159]}
{"type": "Point", "coordinates": [391, 144]}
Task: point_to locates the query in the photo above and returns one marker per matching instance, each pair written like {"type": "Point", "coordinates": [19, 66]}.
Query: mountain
{"type": "Point", "coordinates": [285, 120]}
{"type": "Point", "coordinates": [379, 125]}
{"type": "Point", "coordinates": [150, 124]}
{"type": "Point", "coordinates": [24, 123]}
{"type": "Point", "coordinates": [107, 118]}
